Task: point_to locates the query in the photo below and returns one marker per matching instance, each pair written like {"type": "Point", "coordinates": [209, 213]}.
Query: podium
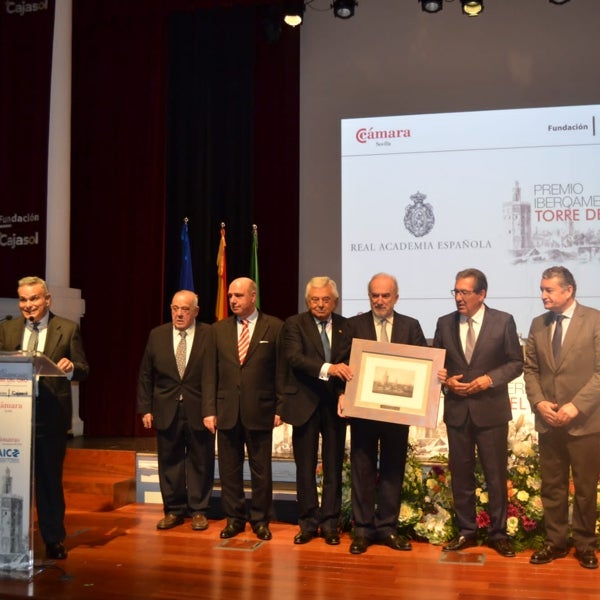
{"type": "Point", "coordinates": [19, 372]}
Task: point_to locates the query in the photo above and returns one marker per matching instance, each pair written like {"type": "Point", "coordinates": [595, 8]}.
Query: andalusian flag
{"type": "Point", "coordinates": [186, 277]}
{"type": "Point", "coordinates": [221, 306]}
{"type": "Point", "coordinates": [254, 263]}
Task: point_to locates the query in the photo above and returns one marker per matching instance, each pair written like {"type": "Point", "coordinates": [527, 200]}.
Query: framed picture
{"type": "Point", "coordinates": [397, 383]}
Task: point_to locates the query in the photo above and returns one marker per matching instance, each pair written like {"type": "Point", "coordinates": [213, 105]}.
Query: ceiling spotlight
{"type": "Point", "coordinates": [343, 9]}
{"type": "Point", "coordinates": [432, 6]}
{"type": "Point", "coordinates": [472, 8]}
{"type": "Point", "coordinates": [293, 12]}
{"type": "Point", "coordinates": [558, 1]}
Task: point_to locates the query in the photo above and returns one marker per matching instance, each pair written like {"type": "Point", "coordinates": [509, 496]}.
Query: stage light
{"type": "Point", "coordinates": [472, 8]}
{"type": "Point", "coordinates": [344, 9]}
{"type": "Point", "coordinates": [293, 13]}
{"type": "Point", "coordinates": [432, 6]}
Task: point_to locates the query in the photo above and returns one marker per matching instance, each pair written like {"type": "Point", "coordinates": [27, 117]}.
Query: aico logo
{"type": "Point", "coordinates": [9, 453]}
{"type": "Point", "coordinates": [366, 134]}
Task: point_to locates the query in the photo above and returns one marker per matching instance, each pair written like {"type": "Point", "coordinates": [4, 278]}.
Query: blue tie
{"type": "Point", "coordinates": [325, 340]}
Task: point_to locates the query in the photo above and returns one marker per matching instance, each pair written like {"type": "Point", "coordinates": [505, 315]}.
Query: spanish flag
{"type": "Point", "coordinates": [221, 306]}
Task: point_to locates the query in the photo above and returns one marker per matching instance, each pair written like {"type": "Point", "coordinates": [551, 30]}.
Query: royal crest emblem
{"type": "Point", "coordinates": [418, 217]}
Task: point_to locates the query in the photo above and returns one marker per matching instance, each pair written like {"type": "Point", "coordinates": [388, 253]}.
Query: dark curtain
{"type": "Point", "coordinates": [210, 158]}
{"type": "Point", "coordinates": [137, 173]}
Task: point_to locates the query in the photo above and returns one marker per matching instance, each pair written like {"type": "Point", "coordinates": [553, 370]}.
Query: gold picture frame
{"type": "Point", "coordinates": [397, 383]}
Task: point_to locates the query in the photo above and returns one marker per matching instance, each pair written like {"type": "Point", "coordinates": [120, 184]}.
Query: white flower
{"type": "Point", "coordinates": [512, 525]}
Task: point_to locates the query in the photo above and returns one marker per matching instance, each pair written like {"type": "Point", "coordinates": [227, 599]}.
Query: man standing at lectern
{"type": "Point", "coordinates": [59, 339]}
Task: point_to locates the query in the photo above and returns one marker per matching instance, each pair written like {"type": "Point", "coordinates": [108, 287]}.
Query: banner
{"type": "Point", "coordinates": [26, 33]}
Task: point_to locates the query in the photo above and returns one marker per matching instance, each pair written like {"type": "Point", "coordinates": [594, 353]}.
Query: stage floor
{"type": "Point", "coordinates": [121, 555]}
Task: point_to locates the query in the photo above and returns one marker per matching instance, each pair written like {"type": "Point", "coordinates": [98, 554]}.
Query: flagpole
{"type": "Point", "coordinates": [221, 303]}
{"type": "Point", "coordinates": [254, 263]}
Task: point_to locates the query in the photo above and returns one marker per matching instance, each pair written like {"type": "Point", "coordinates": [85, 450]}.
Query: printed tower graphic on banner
{"type": "Point", "coordinates": [11, 519]}
{"type": "Point", "coordinates": [517, 220]}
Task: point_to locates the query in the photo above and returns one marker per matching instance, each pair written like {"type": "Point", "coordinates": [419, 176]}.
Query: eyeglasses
{"type": "Point", "coordinates": [315, 300]}
{"type": "Point", "coordinates": [463, 293]}
{"type": "Point", "coordinates": [176, 308]}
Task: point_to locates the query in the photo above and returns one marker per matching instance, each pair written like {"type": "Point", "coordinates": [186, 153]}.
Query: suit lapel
{"type": "Point", "coordinates": [573, 332]}
{"type": "Point", "coordinates": [313, 333]}
{"type": "Point", "coordinates": [53, 335]}
{"type": "Point", "coordinates": [260, 329]}
{"type": "Point", "coordinates": [456, 336]}
{"type": "Point", "coordinates": [397, 329]}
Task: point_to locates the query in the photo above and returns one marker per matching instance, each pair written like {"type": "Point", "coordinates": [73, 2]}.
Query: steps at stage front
{"type": "Point", "coordinates": [99, 480]}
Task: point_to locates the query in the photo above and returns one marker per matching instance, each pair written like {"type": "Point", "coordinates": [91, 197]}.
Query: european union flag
{"type": "Point", "coordinates": [186, 277]}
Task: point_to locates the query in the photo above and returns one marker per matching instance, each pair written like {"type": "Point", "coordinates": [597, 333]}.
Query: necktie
{"type": "Point", "coordinates": [34, 338]}
{"type": "Point", "coordinates": [325, 340]}
{"type": "Point", "coordinates": [180, 353]}
{"type": "Point", "coordinates": [470, 341]}
{"type": "Point", "coordinates": [384, 335]}
{"type": "Point", "coordinates": [243, 341]}
{"type": "Point", "coordinates": [557, 338]}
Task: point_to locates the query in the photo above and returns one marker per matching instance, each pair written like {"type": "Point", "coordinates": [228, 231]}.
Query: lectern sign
{"type": "Point", "coordinates": [16, 417]}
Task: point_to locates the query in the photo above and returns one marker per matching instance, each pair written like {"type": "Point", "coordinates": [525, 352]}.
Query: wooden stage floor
{"type": "Point", "coordinates": [120, 554]}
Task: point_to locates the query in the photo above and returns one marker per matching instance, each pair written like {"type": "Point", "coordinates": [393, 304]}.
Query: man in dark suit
{"type": "Point", "coordinates": [315, 346]}
{"type": "Point", "coordinates": [562, 379]}
{"type": "Point", "coordinates": [169, 396]}
{"type": "Point", "coordinates": [483, 354]}
{"type": "Point", "coordinates": [59, 339]}
{"type": "Point", "coordinates": [241, 403]}
{"type": "Point", "coordinates": [378, 449]}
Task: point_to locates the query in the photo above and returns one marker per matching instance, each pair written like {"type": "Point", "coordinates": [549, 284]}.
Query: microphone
{"type": "Point", "coordinates": [6, 318]}
{"type": "Point", "coordinates": [31, 320]}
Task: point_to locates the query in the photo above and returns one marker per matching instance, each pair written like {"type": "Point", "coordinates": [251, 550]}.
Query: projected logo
{"type": "Point", "coordinates": [418, 216]}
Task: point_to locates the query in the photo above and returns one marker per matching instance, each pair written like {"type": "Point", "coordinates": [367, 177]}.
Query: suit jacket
{"type": "Point", "coordinates": [497, 353]}
{"type": "Point", "coordinates": [248, 392]}
{"type": "Point", "coordinates": [576, 378]}
{"type": "Point", "coordinates": [405, 330]}
{"type": "Point", "coordinates": [159, 384]}
{"type": "Point", "coordinates": [54, 409]}
{"type": "Point", "coordinates": [303, 351]}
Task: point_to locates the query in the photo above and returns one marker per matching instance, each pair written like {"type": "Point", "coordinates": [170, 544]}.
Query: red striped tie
{"type": "Point", "coordinates": [244, 341]}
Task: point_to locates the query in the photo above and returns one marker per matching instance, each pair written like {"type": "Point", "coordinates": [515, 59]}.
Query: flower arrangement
{"type": "Point", "coordinates": [427, 512]}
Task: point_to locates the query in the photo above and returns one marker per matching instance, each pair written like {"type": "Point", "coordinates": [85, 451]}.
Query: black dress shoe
{"type": "Point", "coordinates": [199, 522]}
{"type": "Point", "coordinates": [587, 559]}
{"type": "Point", "coordinates": [169, 521]}
{"type": "Point", "coordinates": [303, 537]}
{"type": "Point", "coordinates": [459, 543]}
{"type": "Point", "coordinates": [359, 545]}
{"type": "Point", "coordinates": [263, 532]}
{"type": "Point", "coordinates": [503, 547]}
{"type": "Point", "coordinates": [397, 542]}
{"type": "Point", "coordinates": [331, 536]}
{"type": "Point", "coordinates": [56, 551]}
{"type": "Point", "coordinates": [231, 530]}
{"type": "Point", "coordinates": [547, 554]}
